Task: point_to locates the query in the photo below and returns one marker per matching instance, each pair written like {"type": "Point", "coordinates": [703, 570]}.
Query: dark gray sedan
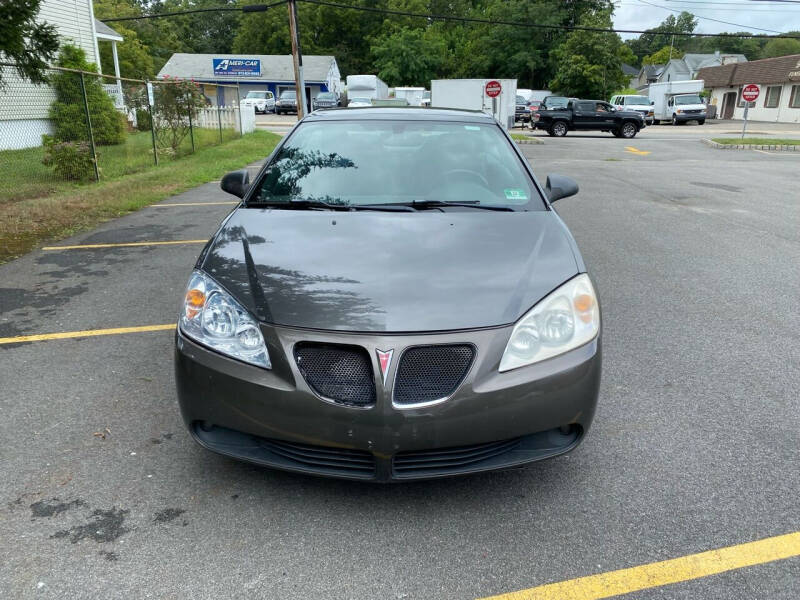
{"type": "Point", "coordinates": [394, 299]}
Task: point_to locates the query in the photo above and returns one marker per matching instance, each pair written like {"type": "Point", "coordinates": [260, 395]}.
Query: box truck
{"type": "Point", "coordinates": [678, 101]}
{"type": "Point", "coordinates": [412, 94]}
{"type": "Point", "coordinates": [366, 86]}
{"type": "Point", "coordinates": [471, 94]}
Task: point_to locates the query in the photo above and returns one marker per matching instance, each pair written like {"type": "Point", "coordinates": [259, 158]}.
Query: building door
{"type": "Point", "coordinates": [728, 104]}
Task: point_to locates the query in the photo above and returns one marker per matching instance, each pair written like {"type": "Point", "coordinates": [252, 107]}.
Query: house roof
{"type": "Point", "coordinates": [766, 70]}
{"type": "Point", "coordinates": [629, 70]}
{"type": "Point", "coordinates": [104, 32]}
{"type": "Point", "coordinates": [698, 61]}
{"type": "Point", "coordinates": [274, 67]}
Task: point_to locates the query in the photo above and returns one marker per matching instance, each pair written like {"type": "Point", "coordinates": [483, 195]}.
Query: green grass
{"type": "Point", "coordinates": [22, 174]}
{"type": "Point", "coordinates": [519, 137]}
{"type": "Point", "coordinates": [758, 141]}
{"type": "Point", "coordinates": [68, 208]}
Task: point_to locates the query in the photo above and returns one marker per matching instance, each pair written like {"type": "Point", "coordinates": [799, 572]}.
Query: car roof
{"type": "Point", "coordinates": [399, 113]}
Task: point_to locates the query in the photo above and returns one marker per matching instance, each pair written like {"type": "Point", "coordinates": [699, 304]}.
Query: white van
{"type": "Point", "coordinates": [640, 104]}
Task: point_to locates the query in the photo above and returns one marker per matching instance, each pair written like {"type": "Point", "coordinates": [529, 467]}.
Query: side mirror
{"type": "Point", "coordinates": [560, 186]}
{"type": "Point", "coordinates": [236, 182]}
{"type": "Point", "coordinates": [652, 102]}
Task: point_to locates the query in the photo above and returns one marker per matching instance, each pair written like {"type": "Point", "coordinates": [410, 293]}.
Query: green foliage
{"type": "Point", "coordinates": [143, 119]}
{"type": "Point", "coordinates": [662, 57]}
{"type": "Point", "coordinates": [408, 57]}
{"type": "Point", "coordinates": [68, 110]}
{"type": "Point", "coordinates": [71, 161]}
{"type": "Point", "coordinates": [780, 48]}
{"type": "Point", "coordinates": [628, 91]}
{"type": "Point", "coordinates": [660, 36]}
{"type": "Point", "coordinates": [176, 104]}
{"type": "Point", "coordinates": [590, 62]}
{"type": "Point", "coordinates": [24, 41]}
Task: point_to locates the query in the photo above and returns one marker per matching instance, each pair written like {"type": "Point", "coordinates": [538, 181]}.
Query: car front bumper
{"type": "Point", "coordinates": [690, 117]}
{"type": "Point", "coordinates": [493, 420]}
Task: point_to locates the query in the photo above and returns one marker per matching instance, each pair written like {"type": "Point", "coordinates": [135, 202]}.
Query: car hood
{"type": "Point", "coordinates": [375, 271]}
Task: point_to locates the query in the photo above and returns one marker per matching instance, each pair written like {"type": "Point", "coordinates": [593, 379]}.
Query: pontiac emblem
{"type": "Point", "coordinates": [384, 360]}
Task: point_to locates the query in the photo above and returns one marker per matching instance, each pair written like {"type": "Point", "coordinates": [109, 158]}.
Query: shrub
{"type": "Point", "coordinates": [175, 101]}
{"type": "Point", "coordinates": [68, 111]}
{"type": "Point", "coordinates": [70, 160]}
{"type": "Point", "coordinates": [142, 119]}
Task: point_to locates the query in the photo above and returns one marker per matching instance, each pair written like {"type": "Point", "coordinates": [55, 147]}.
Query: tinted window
{"type": "Point", "coordinates": [288, 94]}
{"type": "Point", "coordinates": [587, 106]}
{"type": "Point", "coordinates": [325, 96]}
{"type": "Point", "coordinates": [373, 162]}
{"type": "Point", "coordinates": [258, 95]}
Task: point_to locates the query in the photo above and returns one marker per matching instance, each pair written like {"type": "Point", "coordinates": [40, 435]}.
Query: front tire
{"type": "Point", "coordinates": [628, 130]}
{"type": "Point", "coordinates": [558, 129]}
{"type": "Point", "coordinates": [701, 122]}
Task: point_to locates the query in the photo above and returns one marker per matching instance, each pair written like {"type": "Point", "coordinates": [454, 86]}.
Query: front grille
{"type": "Point", "coordinates": [428, 373]}
{"type": "Point", "coordinates": [447, 460]}
{"type": "Point", "coordinates": [323, 458]}
{"type": "Point", "coordinates": [337, 372]}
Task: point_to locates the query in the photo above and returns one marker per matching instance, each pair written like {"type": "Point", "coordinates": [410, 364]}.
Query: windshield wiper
{"type": "Point", "coordinates": [423, 204]}
{"type": "Point", "coordinates": [319, 205]}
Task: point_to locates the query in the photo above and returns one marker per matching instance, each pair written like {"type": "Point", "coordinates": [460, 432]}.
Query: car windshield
{"type": "Point", "coordinates": [521, 100]}
{"type": "Point", "coordinates": [352, 163]}
{"type": "Point", "coordinates": [258, 95]}
{"type": "Point", "coordinates": [693, 99]}
{"type": "Point", "coordinates": [638, 100]}
{"type": "Point", "coordinates": [426, 95]}
{"type": "Point", "coordinates": [325, 96]}
{"type": "Point", "coordinates": [288, 95]}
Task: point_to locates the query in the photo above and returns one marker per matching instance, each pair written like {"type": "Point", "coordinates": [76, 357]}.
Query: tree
{"type": "Point", "coordinates": [662, 57]}
{"type": "Point", "coordinates": [68, 111]}
{"type": "Point", "coordinates": [590, 62]}
{"type": "Point", "coordinates": [24, 42]}
{"type": "Point", "coordinates": [660, 36]}
{"type": "Point", "coordinates": [781, 47]}
{"type": "Point", "coordinates": [408, 57]}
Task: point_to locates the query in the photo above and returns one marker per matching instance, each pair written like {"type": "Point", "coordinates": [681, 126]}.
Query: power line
{"type": "Point", "coordinates": [178, 13]}
{"type": "Point", "coordinates": [454, 18]}
{"type": "Point", "coordinates": [709, 18]}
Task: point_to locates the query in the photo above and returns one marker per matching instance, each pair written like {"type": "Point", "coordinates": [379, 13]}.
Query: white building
{"type": "Point", "coordinates": [687, 67]}
{"type": "Point", "coordinates": [24, 106]}
{"type": "Point", "coordinates": [252, 72]}
{"type": "Point", "coordinates": [779, 79]}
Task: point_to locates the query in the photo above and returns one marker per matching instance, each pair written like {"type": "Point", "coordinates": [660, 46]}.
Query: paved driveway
{"type": "Point", "coordinates": [695, 253]}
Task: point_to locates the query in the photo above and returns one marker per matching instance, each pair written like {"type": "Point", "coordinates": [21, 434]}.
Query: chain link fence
{"type": "Point", "coordinates": [82, 127]}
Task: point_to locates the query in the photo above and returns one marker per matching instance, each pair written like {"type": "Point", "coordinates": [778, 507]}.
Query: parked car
{"type": "Point", "coordinates": [286, 102]}
{"type": "Point", "coordinates": [263, 101]}
{"type": "Point", "coordinates": [589, 115]}
{"type": "Point", "coordinates": [426, 98]}
{"type": "Point", "coordinates": [359, 102]}
{"type": "Point", "coordinates": [534, 105]}
{"type": "Point", "coordinates": [522, 111]}
{"type": "Point", "coordinates": [338, 356]}
{"type": "Point", "coordinates": [641, 104]}
{"type": "Point", "coordinates": [325, 100]}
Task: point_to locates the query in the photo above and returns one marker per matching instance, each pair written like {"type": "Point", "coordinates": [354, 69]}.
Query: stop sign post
{"type": "Point", "coordinates": [750, 93]}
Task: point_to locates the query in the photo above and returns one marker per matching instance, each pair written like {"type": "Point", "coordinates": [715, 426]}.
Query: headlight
{"type": "Point", "coordinates": [565, 319]}
{"type": "Point", "coordinates": [212, 317]}
{"type": "Point", "coordinates": [679, 111]}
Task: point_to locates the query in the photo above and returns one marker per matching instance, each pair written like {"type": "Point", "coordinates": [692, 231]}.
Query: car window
{"type": "Point", "coordinates": [638, 100]}
{"type": "Point", "coordinates": [379, 162]}
{"type": "Point", "coordinates": [288, 94]}
{"type": "Point", "coordinates": [684, 100]}
{"type": "Point", "coordinates": [587, 106]}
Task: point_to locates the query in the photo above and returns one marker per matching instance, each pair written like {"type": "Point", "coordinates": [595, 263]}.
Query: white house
{"type": "Point", "coordinates": [779, 79]}
{"type": "Point", "coordinates": [685, 68]}
{"type": "Point", "coordinates": [269, 72]}
{"type": "Point", "coordinates": [23, 105]}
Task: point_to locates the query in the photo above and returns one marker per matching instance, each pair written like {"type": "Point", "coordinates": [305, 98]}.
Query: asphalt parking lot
{"type": "Point", "coordinates": [695, 446]}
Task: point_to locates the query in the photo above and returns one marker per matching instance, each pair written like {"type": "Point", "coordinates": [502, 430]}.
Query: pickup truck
{"type": "Point", "coordinates": [588, 115]}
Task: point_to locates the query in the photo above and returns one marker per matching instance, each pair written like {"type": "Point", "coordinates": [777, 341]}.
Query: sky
{"type": "Point", "coordinates": [748, 14]}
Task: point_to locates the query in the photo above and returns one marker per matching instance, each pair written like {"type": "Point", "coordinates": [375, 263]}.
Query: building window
{"type": "Point", "coordinates": [794, 101]}
{"type": "Point", "coordinates": [773, 97]}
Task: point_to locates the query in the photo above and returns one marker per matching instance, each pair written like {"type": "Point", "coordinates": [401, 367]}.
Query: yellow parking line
{"type": "Point", "coordinates": [685, 568]}
{"type": "Point", "coordinates": [633, 150]}
{"type": "Point", "coordinates": [65, 335]}
{"type": "Point", "coordinates": [123, 245]}
{"type": "Point", "coordinates": [192, 204]}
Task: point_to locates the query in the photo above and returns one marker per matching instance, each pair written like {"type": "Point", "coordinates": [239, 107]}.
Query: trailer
{"type": "Point", "coordinates": [678, 101]}
{"type": "Point", "coordinates": [366, 86]}
{"type": "Point", "coordinates": [412, 94]}
{"type": "Point", "coordinates": [471, 94]}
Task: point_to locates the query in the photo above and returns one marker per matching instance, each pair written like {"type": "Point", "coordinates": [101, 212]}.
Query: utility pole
{"type": "Point", "coordinates": [297, 59]}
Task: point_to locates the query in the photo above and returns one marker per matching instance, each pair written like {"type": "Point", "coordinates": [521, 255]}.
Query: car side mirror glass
{"type": "Point", "coordinates": [560, 186]}
{"type": "Point", "coordinates": [652, 102]}
{"type": "Point", "coordinates": [236, 182]}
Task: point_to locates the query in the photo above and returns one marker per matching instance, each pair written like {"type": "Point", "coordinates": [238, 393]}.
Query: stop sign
{"type": "Point", "coordinates": [750, 92]}
{"type": "Point", "coordinates": [493, 89]}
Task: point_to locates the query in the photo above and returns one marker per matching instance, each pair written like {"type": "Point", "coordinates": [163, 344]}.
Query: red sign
{"type": "Point", "coordinates": [750, 92]}
{"type": "Point", "coordinates": [493, 89]}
